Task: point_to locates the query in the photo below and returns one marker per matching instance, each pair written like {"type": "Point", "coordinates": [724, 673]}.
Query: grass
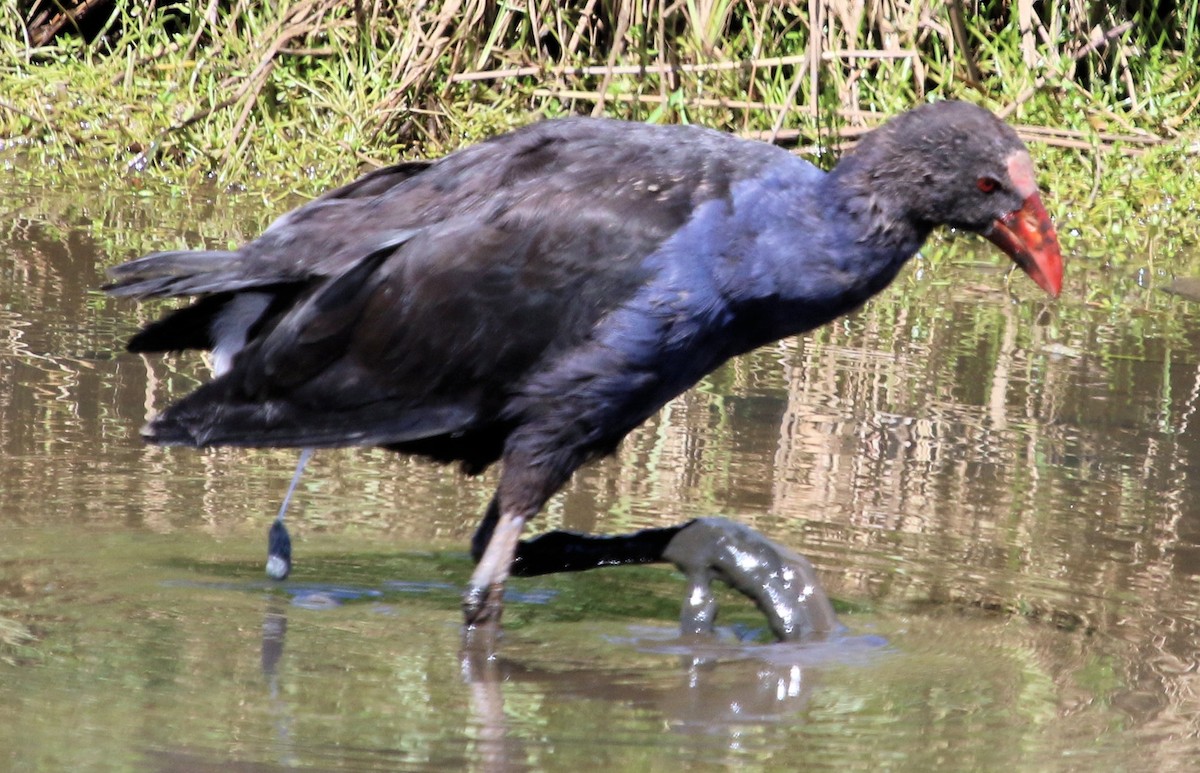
{"type": "Point", "coordinates": [296, 94]}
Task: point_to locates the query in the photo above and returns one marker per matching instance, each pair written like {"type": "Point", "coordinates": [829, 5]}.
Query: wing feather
{"type": "Point", "coordinates": [437, 290]}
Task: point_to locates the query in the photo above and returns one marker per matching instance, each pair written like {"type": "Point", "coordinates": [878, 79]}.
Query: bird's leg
{"type": "Point", "coordinates": [484, 600]}
{"type": "Point", "coordinates": [781, 583]}
{"type": "Point", "coordinates": [571, 551]}
{"type": "Point", "coordinates": [279, 542]}
{"type": "Point", "coordinates": [483, 533]}
{"type": "Point", "coordinates": [525, 484]}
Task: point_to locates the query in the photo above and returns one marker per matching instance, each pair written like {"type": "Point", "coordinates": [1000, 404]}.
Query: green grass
{"type": "Point", "coordinates": [299, 94]}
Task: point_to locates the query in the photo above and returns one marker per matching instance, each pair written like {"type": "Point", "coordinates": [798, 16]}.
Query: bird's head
{"type": "Point", "coordinates": [955, 164]}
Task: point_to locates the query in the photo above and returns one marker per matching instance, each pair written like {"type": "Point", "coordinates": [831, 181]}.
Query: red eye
{"type": "Point", "coordinates": [987, 184]}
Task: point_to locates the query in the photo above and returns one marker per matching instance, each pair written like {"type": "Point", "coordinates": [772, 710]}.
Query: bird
{"type": "Point", "coordinates": [531, 299]}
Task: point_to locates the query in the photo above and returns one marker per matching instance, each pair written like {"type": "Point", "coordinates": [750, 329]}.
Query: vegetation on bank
{"type": "Point", "coordinates": [295, 93]}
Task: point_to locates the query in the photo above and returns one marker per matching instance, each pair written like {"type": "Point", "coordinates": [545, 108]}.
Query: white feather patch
{"type": "Point", "coordinates": [230, 328]}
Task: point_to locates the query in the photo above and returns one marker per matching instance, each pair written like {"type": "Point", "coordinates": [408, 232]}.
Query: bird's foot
{"type": "Point", "coordinates": [781, 583]}
{"type": "Point", "coordinates": [279, 551]}
{"type": "Point", "coordinates": [482, 605]}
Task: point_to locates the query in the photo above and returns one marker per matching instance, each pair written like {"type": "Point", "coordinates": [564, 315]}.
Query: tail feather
{"type": "Point", "coordinates": [186, 328]}
{"type": "Point", "coordinates": [290, 261]}
{"type": "Point", "coordinates": [215, 415]}
{"type": "Point", "coordinates": [184, 272]}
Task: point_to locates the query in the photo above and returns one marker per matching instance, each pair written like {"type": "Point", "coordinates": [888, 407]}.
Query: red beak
{"type": "Point", "coordinates": [1027, 236]}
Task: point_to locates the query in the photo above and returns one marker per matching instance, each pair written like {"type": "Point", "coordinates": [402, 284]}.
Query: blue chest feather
{"type": "Point", "coordinates": [761, 265]}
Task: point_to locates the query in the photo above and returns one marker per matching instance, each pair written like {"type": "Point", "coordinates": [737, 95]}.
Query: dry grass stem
{"type": "Point", "coordinates": [427, 76]}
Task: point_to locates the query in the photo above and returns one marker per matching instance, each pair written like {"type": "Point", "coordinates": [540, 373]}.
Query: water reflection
{"type": "Point", "coordinates": [711, 688]}
{"type": "Point", "coordinates": [274, 637]}
{"type": "Point", "coordinates": [713, 691]}
{"type": "Point", "coordinates": [1003, 489]}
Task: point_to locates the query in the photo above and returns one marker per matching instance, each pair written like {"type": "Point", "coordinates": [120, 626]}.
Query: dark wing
{"type": "Point", "coordinates": [420, 310]}
{"type": "Point", "coordinates": [307, 242]}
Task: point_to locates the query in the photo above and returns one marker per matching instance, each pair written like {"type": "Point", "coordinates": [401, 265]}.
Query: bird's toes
{"type": "Point", "coordinates": [279, 552]}
{"type": "Point", "coordinates": [483, 604]}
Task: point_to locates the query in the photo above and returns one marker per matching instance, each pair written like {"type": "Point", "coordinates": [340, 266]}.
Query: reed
{"type": "Point", "coordinates": [238, 87]}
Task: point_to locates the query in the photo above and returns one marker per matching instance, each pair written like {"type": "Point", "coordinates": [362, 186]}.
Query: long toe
{"type": "Point", "coordinates": [781, 583]}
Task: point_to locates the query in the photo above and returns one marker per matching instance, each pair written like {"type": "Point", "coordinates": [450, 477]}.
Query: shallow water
{"type": "Point", "coordinates": [998, 490]}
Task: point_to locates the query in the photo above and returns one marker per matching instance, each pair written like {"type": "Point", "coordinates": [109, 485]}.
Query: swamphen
{"type": "Point", "coordinates": [533, 298]}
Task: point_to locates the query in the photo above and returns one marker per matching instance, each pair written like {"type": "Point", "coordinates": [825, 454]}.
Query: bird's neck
{"type": "Point", "coordinates": [870, 193]}
{"type": "Point", "coordinates": [810, 250]}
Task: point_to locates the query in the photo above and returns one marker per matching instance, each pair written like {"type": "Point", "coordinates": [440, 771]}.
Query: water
{"type": "Point", "coordinates": [998, 490]}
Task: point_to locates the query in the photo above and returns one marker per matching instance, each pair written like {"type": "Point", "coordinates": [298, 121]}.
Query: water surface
{"type": "Point", "coordinates": [997, 489]}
